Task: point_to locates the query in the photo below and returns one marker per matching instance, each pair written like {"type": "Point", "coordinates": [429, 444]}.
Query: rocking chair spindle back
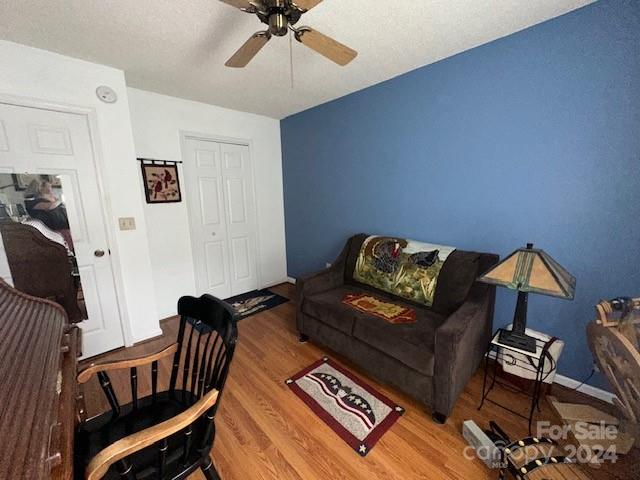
{"type": "Point", "coordinates": [172, 430]}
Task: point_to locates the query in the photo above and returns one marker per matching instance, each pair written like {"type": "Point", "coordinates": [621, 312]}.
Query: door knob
{"type": "Point", "coordinates": [99, 253]}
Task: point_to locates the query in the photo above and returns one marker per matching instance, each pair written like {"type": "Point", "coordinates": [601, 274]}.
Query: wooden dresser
{"type": "Point", "coordinates": [38, 362]}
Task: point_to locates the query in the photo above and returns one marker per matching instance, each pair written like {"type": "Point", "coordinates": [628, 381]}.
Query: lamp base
{"type": "Point", "coordinates": [517, 340]}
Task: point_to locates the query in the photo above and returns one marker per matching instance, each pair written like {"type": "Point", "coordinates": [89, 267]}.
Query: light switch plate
{"type": "Point", "coordinates": [127, 223]}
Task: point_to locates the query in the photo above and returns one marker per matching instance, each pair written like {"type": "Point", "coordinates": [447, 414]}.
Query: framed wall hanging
{"type": "Point", "coordinates": [160, 179]}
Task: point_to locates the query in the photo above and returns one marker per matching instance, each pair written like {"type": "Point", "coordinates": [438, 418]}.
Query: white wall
{"type": "Point", "coordinates": [157, 121]}
{"type": "Point", "coordinates": [34, 73]}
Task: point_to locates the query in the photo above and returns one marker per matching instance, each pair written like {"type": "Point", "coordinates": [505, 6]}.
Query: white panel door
{"type": "Point", "coordinates": [219, 189]}
{"type": "Point", "coordinates": [241, 216]}
{"type": "Point", "coordinates": [42, 141]}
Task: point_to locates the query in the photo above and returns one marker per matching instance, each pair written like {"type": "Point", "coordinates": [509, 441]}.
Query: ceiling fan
{"type": "Point", "coordinates": [281, 16]}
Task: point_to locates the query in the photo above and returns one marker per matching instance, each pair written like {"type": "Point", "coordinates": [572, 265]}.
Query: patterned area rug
{"type": "Point", "coordinates": [355, 411]}
{"type": "Point", "coordinates": [388, 311]}
{"type": "Point", "coordinates": [256, 301]}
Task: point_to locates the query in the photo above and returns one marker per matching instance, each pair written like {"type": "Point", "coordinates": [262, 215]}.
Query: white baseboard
{"type": "Point", "coordinates": [572, 384]}
{"type": "Point", "coordinates": [586, 389]}
{"type": "Point", "coordinates": [279, 282]}
{"type": "Point", "coordinates": [291, 280]}
{"type": "Point", "coordinates": [147, 336]}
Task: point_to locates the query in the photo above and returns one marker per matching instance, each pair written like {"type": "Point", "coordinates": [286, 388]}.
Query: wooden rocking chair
{"type": "Point", "coordinates": [168, 434]}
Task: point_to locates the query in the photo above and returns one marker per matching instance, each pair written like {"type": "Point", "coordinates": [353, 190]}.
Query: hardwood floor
{"type": "Point", "coordinates": [265, 432]}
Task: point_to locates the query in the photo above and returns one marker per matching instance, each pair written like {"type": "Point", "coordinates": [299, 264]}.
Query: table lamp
{"type": "Point", "coordinates": [528, 270]}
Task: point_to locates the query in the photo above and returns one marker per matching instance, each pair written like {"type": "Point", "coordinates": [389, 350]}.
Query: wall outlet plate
{"type": "Point", "coordinates": [127, 223]}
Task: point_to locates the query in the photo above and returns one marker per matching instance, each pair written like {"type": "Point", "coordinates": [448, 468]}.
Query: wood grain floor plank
{"type": "Point", "coordinates": [264, 431]}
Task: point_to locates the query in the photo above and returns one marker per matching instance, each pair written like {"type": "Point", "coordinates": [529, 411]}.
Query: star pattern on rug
{"type": "Point", "coordinates": [332, 391]}
{"type": "Point", "coordinates": [343, 392]}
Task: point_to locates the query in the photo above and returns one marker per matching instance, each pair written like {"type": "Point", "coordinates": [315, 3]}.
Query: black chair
{"type": "Point", "coordinates": [168, 434]}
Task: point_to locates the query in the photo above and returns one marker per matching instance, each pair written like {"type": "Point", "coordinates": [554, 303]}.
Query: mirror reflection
{"type": "Point", "coordinates": [38, 255]}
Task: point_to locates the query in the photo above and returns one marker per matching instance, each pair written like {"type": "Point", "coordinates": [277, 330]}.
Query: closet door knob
{"type": "Point", "coordinates": [99, 253]}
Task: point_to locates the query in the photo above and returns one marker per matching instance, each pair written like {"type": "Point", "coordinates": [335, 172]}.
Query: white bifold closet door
{"type": "Point", "coordinates": [222, 215]}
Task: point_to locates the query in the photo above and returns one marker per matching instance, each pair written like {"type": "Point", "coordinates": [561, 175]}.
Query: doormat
{"type": "Point", "coordinates": [390, 312]}
{"type": "Point", "coordinates": [256, 301]}
{"type": "Point", "coordinates": [358, 413]}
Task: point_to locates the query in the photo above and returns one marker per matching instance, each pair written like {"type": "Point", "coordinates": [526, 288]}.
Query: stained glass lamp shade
{"type": "Point", "coordinates": [529, 270]}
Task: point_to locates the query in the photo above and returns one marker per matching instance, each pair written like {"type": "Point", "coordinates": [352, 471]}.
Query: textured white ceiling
{"type": "Point", "coordinates": [178, 47]}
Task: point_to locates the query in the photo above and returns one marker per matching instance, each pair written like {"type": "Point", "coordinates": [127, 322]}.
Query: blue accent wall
{"type": "Point", "coordinates": [533, 137]}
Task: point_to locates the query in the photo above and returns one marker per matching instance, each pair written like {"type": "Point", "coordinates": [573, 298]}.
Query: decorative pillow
{"type": "Point", "coordinates": [404, 268]}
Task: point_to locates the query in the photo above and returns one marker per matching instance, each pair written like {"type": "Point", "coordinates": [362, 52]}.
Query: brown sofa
{"type": "Point", "coordinates": [431, 359]}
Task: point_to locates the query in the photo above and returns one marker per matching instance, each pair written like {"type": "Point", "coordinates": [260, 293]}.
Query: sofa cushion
{"type": "Point", "coordinates": [327, 307]}
{"type": "Point", "coordinates": [456, 278]}
{"type": "Point", "coordinates": [411, 344]}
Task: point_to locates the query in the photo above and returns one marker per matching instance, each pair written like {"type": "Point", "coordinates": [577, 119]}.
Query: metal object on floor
{"type": "Point", "coordinates": [485, 448]}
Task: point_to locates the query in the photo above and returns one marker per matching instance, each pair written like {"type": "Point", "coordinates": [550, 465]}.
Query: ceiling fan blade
{"type": "Point", "coordinates": [249, 50]}
{"type": "Point", "coordinates": [326, 46]}
{"type": "Point", "coordinates": [238, 3]}
{"type": "Point", "coordinates": [306, 4]}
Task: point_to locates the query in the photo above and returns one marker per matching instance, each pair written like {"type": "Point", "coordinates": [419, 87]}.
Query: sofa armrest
{"type": "Point", "coordinates": [321, 281]}
{"type": "Point", "coordinates": [460, 344]}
